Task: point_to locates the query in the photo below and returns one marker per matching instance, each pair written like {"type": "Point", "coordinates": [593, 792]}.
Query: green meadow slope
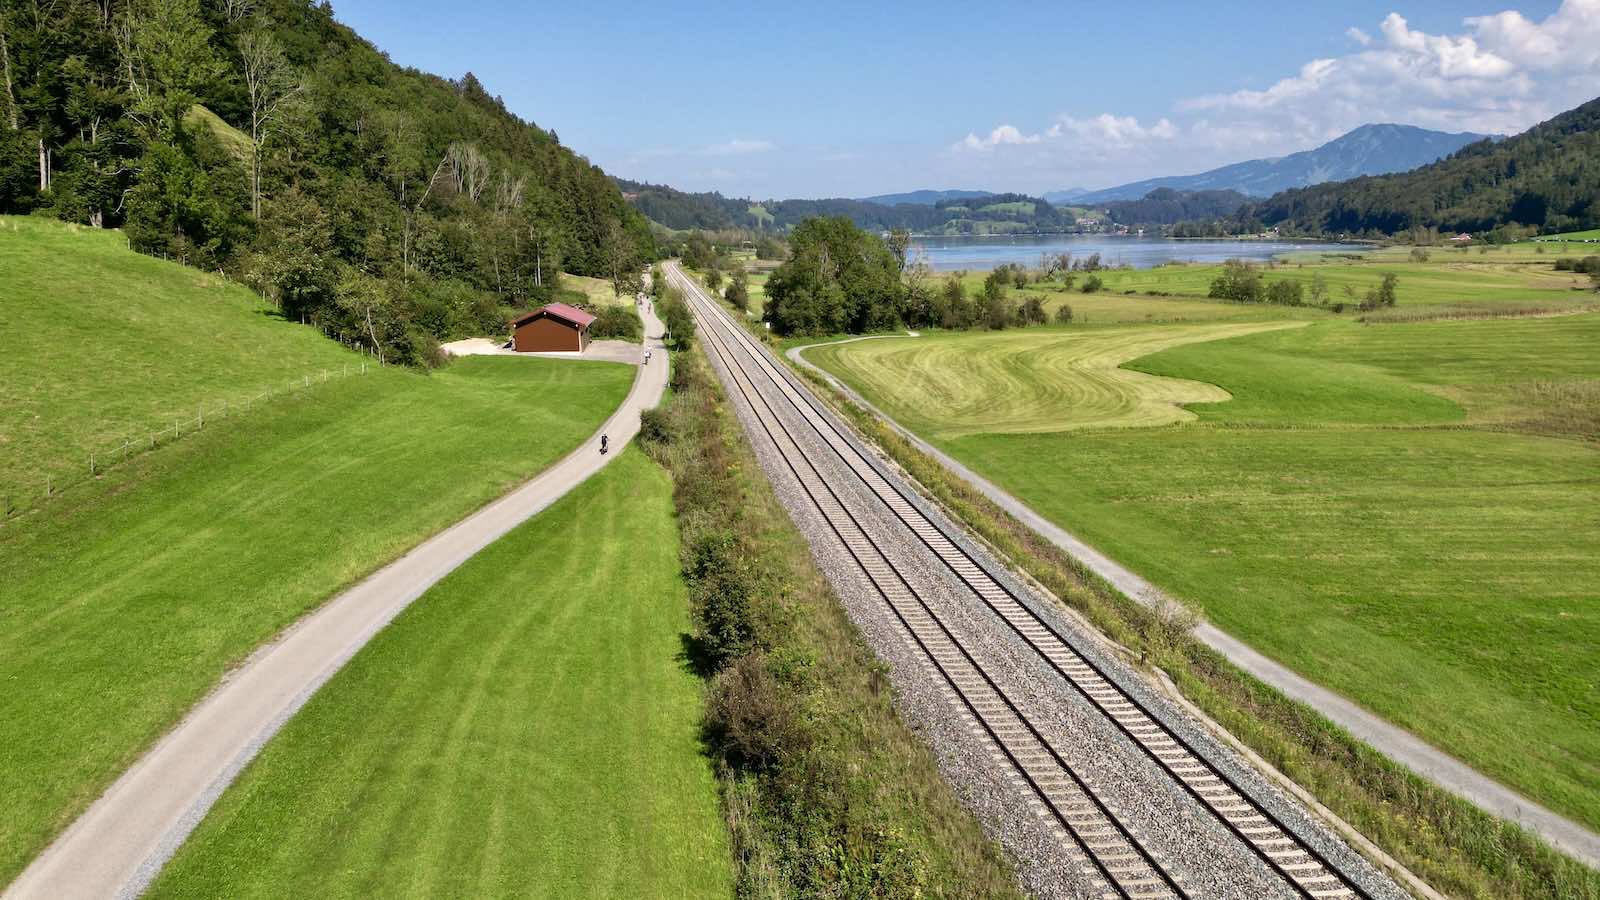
{"type": "Point", "coordinates": [529, 726]}
{"type": "Point", "coordinates": [125, 599]}
{"type": "Point", "coordinates": [99, 344]}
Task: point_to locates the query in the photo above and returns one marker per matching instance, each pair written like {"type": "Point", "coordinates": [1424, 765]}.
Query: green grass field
{"type": "Point", "coordinates": [1592, 234]}
{"type": "Point", "coordinates": [1503, 280]}
{"type": "Point", "coordinates": [1404, 513]}
{"type": "Point", "coordinates": [99, 344]}
{"type": "Point", "coordinates": [1029, 380]}
{"type": "Point", "coordinates": [528, 727]}
{"type": "Point", "coordinates": [124, 601]}
{"type": "Point", "coordinates": [595, 291]}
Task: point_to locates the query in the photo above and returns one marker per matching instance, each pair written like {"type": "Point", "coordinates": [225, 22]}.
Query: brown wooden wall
{"type": "Point", "coordinates": [548, 335]}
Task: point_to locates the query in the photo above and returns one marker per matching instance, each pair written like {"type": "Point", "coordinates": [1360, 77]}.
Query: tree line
{"type": "Point", "coordinates": [842, 279]}
{"type": "Point", "coordinates": [262, 138]}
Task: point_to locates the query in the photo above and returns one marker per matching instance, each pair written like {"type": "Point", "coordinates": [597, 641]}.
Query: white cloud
{"type": "Point", "coordinates": [1001, 136]}
{"type": "Point", "coordinates": [737, 147]}
{"type": "Point", "coordinates": [1499, 73]}
{"type": "Point", "coordinates": [1569, 39]}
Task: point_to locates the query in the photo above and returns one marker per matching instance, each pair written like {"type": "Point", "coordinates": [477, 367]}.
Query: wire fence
{"type": "Point", "coordinates": [98, 461]}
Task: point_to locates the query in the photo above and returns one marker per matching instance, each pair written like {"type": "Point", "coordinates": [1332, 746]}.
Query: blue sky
{"type": "Point", "coordinates": [849, 99]}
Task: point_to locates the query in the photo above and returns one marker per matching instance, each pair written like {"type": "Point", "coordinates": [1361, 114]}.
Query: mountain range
{"type": "Point", "coordinates": [1544, 179]}
{"type": "Point", "coordinates": [1368, 150]}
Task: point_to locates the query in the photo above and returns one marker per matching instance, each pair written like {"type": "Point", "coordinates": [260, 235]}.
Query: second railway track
{"type": "Point", "coordinates": [1079, 815]}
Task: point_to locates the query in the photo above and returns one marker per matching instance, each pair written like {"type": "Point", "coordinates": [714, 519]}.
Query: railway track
{"type": "Point", "coordinates": [1299, 864]}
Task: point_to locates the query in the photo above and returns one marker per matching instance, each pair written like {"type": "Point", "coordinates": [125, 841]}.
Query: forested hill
{"type": "Point", "coordinates": [1547, 178]}
{"type": "Point", "coordinates": [985, 214]}
{"type": "Point", "coordinates": [264, 138]}
{"type": "Point", "coordinates": [1165, 206]}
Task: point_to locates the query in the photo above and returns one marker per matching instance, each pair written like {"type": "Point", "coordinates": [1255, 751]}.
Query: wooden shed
{"type": "Point", "coordinates": [552, 329]}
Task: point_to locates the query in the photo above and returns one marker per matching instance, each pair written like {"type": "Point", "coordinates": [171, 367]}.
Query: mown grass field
{"type": "Point", "coordinates": [526, 727]}
{"type": "Point", "coordinates": [1030, 380]}
{"type": "Point", "coordinates": [125, 600]}
{"type": "Point", "coordinates": [99, 344]}
{"type": "Point", "coordinates": [1402, 512]}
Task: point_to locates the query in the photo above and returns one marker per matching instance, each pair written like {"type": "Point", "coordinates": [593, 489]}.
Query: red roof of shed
{"type": "Point", "coordinates": [560, 311]}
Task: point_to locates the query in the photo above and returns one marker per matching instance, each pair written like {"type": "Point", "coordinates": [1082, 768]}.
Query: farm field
{"type": "Point", "coordinates": [1507, 279]}
{"type": "Point", "coordinates": [527, 726]}
{"type": "Point", "coordinates": [99, 344]}
{"type": "Point", "coordinates": [1592, 234]}
{"type": "Point", "coordinates": [125, 600]}
{"type": "Point", "coordinates": [1402, 512]}
{"type": "Point", "coordinates": [1037, 379]}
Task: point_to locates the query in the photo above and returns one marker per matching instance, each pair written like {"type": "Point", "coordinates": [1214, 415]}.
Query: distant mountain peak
{"type": "Point", "coordinates": [1377, 148]}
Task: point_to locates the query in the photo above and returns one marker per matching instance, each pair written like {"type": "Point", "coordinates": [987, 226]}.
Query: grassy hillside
{"type": "Point", "coordinates": [126, 605]}
{"type": "Point", "coordinates": [100, 344]}
{"type": "Point", "coordinates": [525, 713]}
{"type": "Point", "coordinates": [1401, 512]}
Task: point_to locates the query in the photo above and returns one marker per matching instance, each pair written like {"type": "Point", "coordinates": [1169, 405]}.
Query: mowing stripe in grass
{"type": "Point", "coordinates": [527, 727]}
{"type": "Point", "coordinates": [122, 609]}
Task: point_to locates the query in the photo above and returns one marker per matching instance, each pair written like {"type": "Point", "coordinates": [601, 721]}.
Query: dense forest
{"type": "Point", "coordinates": [840, 278]}
{"type": "Point", "coordinates": [1165, 206]}
{"type": "Point", "coordinates": [1547, 178]}
{"type": "Point", "coordinates": [260, 137]}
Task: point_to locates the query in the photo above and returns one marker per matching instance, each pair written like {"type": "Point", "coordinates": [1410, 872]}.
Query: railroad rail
{"type": "Point", "coordinates": [1295, 860]}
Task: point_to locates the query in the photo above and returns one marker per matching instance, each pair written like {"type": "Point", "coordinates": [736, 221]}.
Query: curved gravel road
{"type": "Point", "coordinates": [121, 842]}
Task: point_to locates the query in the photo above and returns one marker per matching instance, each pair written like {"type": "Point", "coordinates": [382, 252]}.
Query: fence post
{"type": "Point", "coordinates": [48, 487]}
{"type": "Point", "coordinates": [200, 416]}
{"type": "Point", "coordinates": [91, 465]}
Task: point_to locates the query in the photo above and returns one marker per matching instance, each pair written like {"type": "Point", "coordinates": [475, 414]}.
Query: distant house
{"type": "Point", "coordinates": [1462, 238]}
{"type": "Point", "coordinates": [555, 328]}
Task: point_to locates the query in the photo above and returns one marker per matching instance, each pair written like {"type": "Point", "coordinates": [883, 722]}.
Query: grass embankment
{"type": "Point", "coordinates": [125, 601]}
{"type": "Point", "coordinates": [99, 344]}
{"type": "Point", "coordinates": [593, 292]}
{"type": "Point", "coordinates": [528, 726]}
{"type": "Point", "coordinates": [1381, 508]}
{"type": "Point", "coordinates": [825, 790]}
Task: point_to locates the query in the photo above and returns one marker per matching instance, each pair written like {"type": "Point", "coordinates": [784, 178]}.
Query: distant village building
{"type": "Point", "coordinates": [555, 328]}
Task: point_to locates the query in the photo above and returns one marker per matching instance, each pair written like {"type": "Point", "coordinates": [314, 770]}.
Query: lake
{"type": "Point", "coordinates": [948, 254]}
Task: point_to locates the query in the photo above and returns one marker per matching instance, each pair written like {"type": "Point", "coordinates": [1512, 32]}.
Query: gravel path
{"type": "Point", "coordinates": [1188, 839]}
